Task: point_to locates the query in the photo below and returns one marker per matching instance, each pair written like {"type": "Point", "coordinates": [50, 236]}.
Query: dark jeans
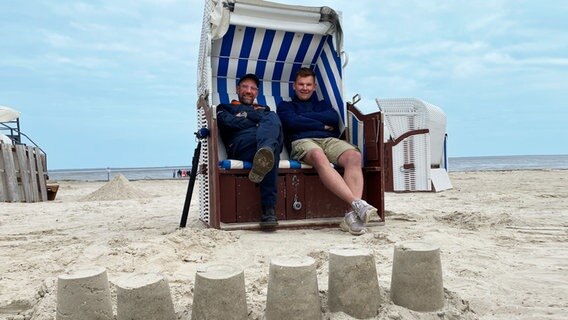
{"type": "Point", "coordinates": [268, 134]}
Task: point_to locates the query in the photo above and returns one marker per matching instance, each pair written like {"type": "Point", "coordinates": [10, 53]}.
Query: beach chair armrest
{"type": "Point", "coordinates": [366, 132]}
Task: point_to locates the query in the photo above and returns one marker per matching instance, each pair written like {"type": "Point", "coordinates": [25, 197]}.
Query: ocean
{"type": "Point", "coordinates": [532, 162]}
{"type": "Point", "coordinates": [455, 164]}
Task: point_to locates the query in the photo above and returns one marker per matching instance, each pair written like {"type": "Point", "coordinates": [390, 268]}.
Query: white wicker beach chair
{"type": "Point", "coordinates": [415, 136]}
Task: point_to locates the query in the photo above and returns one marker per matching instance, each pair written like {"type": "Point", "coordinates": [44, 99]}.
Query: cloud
{"type": "Point", "coordinates": [55, 39]}
{"type": "Point", "coordinates": [484, 62]}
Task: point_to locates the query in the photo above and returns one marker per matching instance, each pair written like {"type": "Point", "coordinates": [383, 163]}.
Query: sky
{"type": "Point", "coordinates": [112, 83]}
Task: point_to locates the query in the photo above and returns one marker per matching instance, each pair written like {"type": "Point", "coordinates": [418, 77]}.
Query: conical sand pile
{"type": "Point", "coordinates": [119, 188]}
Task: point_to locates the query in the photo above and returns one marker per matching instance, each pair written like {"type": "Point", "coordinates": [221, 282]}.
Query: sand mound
{"type": "Point", "coordinates": [475, 220]}
{"type": "Point", "coordinates": [119, 188]}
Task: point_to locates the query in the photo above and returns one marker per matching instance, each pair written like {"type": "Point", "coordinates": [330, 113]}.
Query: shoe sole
{"type": "Point", "coordinates": [261, 165]}
{"type": "Point", "coordinates": [268, 226]}
{"type": "Point", "coordinates": [368, 215]}
{"type": "Point", "coordinates": [343, 226]}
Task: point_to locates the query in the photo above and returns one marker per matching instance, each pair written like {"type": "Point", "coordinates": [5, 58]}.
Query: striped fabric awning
{"type": "Point", "coordinates": [275, 56]}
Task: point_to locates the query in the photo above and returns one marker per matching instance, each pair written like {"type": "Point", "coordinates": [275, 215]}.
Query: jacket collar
{"type": "Point", "coordinates": [313, 98]}
{"type": "Point", "coordinates": [254, 105]}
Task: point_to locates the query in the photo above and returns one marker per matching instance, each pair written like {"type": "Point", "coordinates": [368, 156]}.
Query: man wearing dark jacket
{"type": "Point", "coordinates": [253, 133]}
{"type": "Point", "coordinates": [311, 129]}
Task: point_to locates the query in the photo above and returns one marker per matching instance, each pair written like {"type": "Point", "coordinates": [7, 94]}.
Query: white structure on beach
{"type": "Point", "coordinates": [7, 115]}
{"type": "Point", "coordinates": [415, 136]}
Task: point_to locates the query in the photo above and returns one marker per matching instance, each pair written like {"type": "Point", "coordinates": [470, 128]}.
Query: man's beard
{"type": "Point", "coordinates": [247, 100]}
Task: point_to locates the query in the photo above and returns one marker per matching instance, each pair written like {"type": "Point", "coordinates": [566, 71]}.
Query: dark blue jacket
{"type": "Point", "coordinates": [234, 128]}
{"type": "Point", "coordinates": [307, 119]}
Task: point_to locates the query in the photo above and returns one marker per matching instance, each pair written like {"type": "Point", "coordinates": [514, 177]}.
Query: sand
{"type": "Point", "coordinates": [503, 239]}
{"type": "Point", "coordinates": [119, 188]}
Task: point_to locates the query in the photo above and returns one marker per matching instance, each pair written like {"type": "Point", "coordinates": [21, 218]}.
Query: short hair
{"type": "Point", "coordinates": [305, 72]}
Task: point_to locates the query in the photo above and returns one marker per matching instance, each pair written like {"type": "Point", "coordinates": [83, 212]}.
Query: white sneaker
{"type": "Point", "coordinates": [363, 210]}
{"type": "Point", "coordinates": [352, 224]}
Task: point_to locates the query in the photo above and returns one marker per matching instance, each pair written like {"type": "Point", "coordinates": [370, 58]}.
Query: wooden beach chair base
{"type": "Point", "coordinates": [52, 191]}
{"type": "Point", "coordinates": [303, 201]}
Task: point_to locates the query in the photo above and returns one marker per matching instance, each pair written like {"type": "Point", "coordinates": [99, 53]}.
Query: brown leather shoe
{"type": "Point", "coordinates": [262, 163]}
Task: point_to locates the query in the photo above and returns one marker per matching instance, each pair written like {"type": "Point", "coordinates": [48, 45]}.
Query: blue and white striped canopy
{"type": "Point", "coordinates": [275, 56]}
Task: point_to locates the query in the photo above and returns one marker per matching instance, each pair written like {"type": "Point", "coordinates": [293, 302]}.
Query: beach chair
{"type": "Point", "coordinates": [273, 41]}
{"type": "Point", "coordinates": [10, 125]}
{"type": "Point", "coordinates": [415, 156]}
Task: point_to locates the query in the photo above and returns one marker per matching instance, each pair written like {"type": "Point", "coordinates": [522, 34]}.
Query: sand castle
{"type": "Point", "coordinates": [293, 293]}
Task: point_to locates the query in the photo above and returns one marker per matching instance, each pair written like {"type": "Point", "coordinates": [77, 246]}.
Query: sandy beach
{"type": "Point", "coordinates": [503, 237]}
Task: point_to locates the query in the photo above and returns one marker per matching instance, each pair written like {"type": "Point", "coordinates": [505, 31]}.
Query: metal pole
{"type": "Point", "coordinates": [189, 193]}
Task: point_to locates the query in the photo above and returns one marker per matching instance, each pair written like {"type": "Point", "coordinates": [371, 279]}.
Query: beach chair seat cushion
{"type": "Point", "coordinates": [228, 164]}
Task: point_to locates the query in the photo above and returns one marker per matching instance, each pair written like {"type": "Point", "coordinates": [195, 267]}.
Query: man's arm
{"type": "Point", "coordinates": [257, 112]}
{"type": "Point", "coordinates": [325, 113]}
{"type": "Point", "coordinates": [329, 117]}
{"type": "Point", "coordinates": [296, 121]}
{"type": "Point", "coordinates": [233, 119]}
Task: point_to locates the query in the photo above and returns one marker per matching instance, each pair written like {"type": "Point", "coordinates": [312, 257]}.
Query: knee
{"type": "Point", "coordinates": [316, 157]}
{"type": "Point", "coordinates": [350, 158]}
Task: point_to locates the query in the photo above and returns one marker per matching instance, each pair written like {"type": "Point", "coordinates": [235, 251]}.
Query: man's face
{"type": "Point", "coordinates": [304, 87]}
{"type": "Point", "coordinates": [247, 91]}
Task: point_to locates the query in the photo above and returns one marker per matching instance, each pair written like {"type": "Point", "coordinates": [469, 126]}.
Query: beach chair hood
{"type": "Point", "coordinates": [275, 16]}
{"type": "Point", "coordinates": [8, 114]}
{"type": "Point", "coordinates": [273, 41]}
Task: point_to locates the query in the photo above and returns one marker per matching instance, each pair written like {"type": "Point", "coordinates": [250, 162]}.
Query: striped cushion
{"type": "Point", "coordinates": [284, 164]}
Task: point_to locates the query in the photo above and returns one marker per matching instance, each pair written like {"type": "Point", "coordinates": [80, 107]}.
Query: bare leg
{"type": "Point", "coordinates": [330, 178]}
{"type": "Point", "coordinates": [350, 160]}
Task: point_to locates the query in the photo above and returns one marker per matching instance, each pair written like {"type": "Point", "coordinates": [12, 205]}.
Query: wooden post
{"type": "Point", "coordinates": [10, 171]}
{"type": "Point", "coordinates": [25, 173]}
{"type": "Point", "coordinates": [41, 174]}
{"type": "Point", "coordinates": [32, 165]}
{"type": "Point", "coordinates": [3, 193]}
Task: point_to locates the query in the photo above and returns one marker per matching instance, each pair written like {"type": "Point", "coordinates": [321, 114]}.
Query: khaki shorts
{"type": "Point", "coordinates": [332, 147]}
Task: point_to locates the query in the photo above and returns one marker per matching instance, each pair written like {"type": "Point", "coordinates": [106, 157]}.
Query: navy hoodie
{"type": "Point", "coordinates": [233, 128]}
{"type": "Point", "coordinates": [307, 119]}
